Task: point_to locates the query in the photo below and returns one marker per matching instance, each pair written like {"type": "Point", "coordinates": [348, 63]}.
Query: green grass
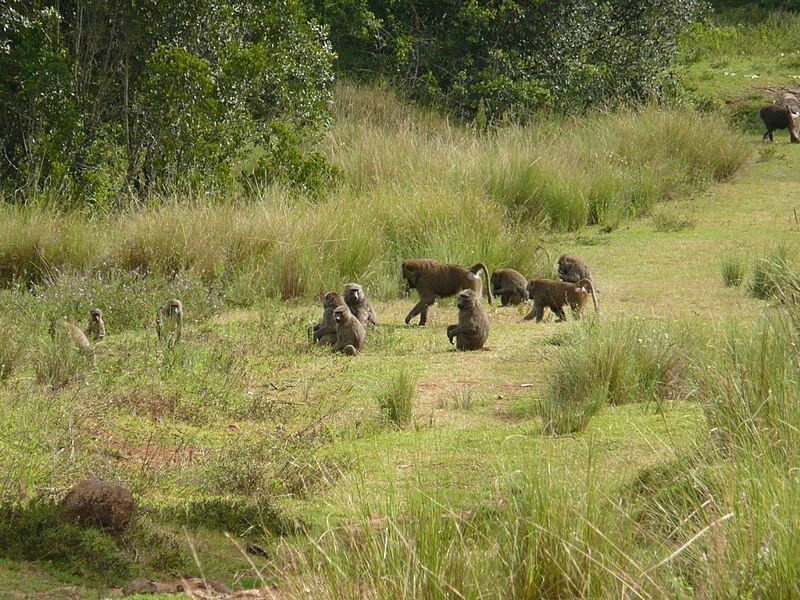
{"type": "Point", "coordinates": [733, 267]}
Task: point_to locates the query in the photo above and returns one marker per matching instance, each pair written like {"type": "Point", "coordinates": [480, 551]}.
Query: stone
{"type": "Point", "coordinates": [100, 503]}
{"type": "Point", "coordinates": [140, 585]}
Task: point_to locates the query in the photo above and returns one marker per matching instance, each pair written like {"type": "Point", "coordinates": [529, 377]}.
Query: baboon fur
{"type": "Point", "coordinates": [350, 333]}
{"type": "Point", "coordinates": [473, 322]}
{"type": "Point", "coordinates": [359, 304]}
{"type": "Point", "coordinates": [74, 332]}
{"type": "Point", "coordinates": [97, 328]}
{"type": "Point", "coordinates": [510, 286]}
{"type": "Point", "coordinates": [325, 330]}
{"type": "Point", "coordinates": [572, 269]}
{"type": "Point", "coordinates": [781, 117]}
{"type": "Point", "coordinates": [555, 295]}
{"type": "Point", "coordinates": [433, 279]}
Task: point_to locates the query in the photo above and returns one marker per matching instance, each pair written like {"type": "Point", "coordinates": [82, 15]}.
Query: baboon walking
{"type": "Point", "coordinates": [510, 286]}
{"type": "Point", "coordinates": [781, 117]}
{"type": "Point", "coordinates": [433, 279]}
{"type": "Point", "coordinates": [555, 295]}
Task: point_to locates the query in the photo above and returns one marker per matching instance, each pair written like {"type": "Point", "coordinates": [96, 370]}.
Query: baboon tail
{"type": "Point", "coordinates": [482, 267]}
{"type": "Point", "coordinates": [588, 282]}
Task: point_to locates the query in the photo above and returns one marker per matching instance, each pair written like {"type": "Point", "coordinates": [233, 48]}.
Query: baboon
{"type": "Point", "coordinates": [572, 269]}
{"type": "Point", "coordinates": [433, 279]}
{"type": "Point", "coordinates": [359, 304]}
{"type": "Point", "coordinates": [169, 322]}
{"type": "Point", "coordinates": [781, 117]}
{"type": "Point", "coordinates": [473, 322]}
{"type": "Point", "coordinates": [789, 100]}
{"type": "Point", "coordinates": [557, 294]}
{"type": "Point", "coordinates": [350, 333]}
{"type": "Point", "coordinates": [510, 286]}
{"type": "Point", "coordinates": [325, 330]}
{"type": "Point", "coordinates": [74, 332]}
{"type": "Point", "coordinates": [97, 328]}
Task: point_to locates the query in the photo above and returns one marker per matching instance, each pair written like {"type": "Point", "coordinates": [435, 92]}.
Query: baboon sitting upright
{"type": "Point", "coordinates": [472, 328]}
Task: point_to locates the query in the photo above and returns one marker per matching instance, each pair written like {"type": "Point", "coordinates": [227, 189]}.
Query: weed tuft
{"type": "Point", "coordinates": [395, 398]}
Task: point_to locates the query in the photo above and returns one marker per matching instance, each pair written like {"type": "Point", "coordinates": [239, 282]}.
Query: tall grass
{"type": "Point", "coordinates": [774, 275]}
{"type": "Point", "coordinates": [614, 363]}
{"type": "Point", "coordinates": [414, 184]}
{"type": "Point", "coordinates": [733, 268]}
{"type": "Point", "coordinates": [395, 399]}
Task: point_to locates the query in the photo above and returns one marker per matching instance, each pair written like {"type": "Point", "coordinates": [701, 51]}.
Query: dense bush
{"type": "Point", "coordinates": [95, 96]}
{"type": "Point", "coordinates": [512, 57]}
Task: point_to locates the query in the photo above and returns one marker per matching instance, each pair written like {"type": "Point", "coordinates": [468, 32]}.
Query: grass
{"type": "Point", "coordinates": [246, 428]}
{"type": "Point", "coordinates": [395, 399]}
{"type": "Point", "coordinates": [733, 267]}
{"type": "Point", "coordinates": [774, 275]}
{"type": "Point", "coordinates": [667, 222]}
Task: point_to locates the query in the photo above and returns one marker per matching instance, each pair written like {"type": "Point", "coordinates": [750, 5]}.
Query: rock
{"type": "Point", "coordinates": [140, 585]}
{"type": "Point", "coordinates": [97, 502]}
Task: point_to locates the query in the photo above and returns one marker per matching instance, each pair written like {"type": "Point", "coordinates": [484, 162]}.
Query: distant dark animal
{"type": "Point", "coordinates": [555, 295]}
{"type": "Point", "coordinates": [472, 328]}
{"type": "Point", "coordinates": [325, 330]}
{"type": "Point", "coordinates": [510, 286]}
{"type": "Point", "coordinates": [359, 304]}
{"type": "Point", "coordinates": [97, 328]}
{"type": "Point", "coordinates": [572, 269]}
{"type": "Point", "coordinates": [433, 279]}
{"type": "Point", "coordinates": [350, 333]}
{"type": "Point", "coordinates": [781, 117]}
{"type": "Point", "coordinates": [169, 322]}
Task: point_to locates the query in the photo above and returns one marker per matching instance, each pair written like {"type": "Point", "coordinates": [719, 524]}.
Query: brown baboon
{"type": "Point", "coordinates": [510, 286]}
{"type": "Point", "coordinates": [350, 333]}
{"type": "Point", "coordinates": [97, 328]}
{"type": "Point", "coordinates": [557, 294]}
{"type": "Point", "coordinates": [433, 279]}
{"type": "Point", "coordinates": [169, 322]}
{"type": "Point", "coordinates": [325, 330]}
{"type": "Point", "coordinates": [473, 322]}
{"type": "Point", "coordinates": [359, 304]}
{"type": "Point", "coordinates": [74, 332]}
{"type": "Point", "coordinates": [781, 117]}
{"type": "Point", "coordinates": [572, 269]}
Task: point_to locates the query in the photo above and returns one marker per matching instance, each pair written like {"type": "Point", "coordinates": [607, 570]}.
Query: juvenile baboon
{"type": "Point", "coordinates": [350, 333]}
{"type": "Point", "coordinates": [325, 330]}
{"type": "Point", "coordinates": [781, 117]}
{"type": "Point", "coordinates": [473, 322]}
{"type": "Point", "coordinates": [433, 279]}
{"type": "Point", "coordinates": [97, 328]}
{"type": "Point", "coordinates": [169, 322]}
{"type": "Point", "coordinates": [510, 286]}
{"type": "Point", "coordinates": [572, 269]}
{"type": "Point", "coordinates": [555, 295]}
{"type": "Point", "coordinates": [359, 304]}
{"type": "Point", "coordinates": [73, 331]}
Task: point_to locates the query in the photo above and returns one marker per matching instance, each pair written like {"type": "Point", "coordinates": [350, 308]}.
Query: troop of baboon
{"type": "Point", "coordinates": [346, 316]}
{"type": "Point", "coordinates": [784, 115]}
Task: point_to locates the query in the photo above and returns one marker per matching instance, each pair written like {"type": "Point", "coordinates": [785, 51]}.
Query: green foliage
{"type": "Point", "coordinates": [670, 222]}
{"type": "Point", "coordinates": [183, 93]}
{"type": "Point", "coordinates": [513, 57]}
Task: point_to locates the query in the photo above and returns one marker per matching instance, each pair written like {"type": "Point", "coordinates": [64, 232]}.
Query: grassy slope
{"type": "Point", "coordinates": [465, 452]}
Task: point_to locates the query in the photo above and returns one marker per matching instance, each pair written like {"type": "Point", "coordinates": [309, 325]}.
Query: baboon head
{"type": "Point", "coordinates": [466, 299]}
{"type": "Point", "coordinates": [340, 314]}
{"type": "Point", "coordinates": [410, 273]}
{"type": "Point", "coordinates": [353, 293]}
{"type": "Point", "coordinates": [174, 307]}
{"type": "Point", "coordinates": [96, 314]}
{"type": "Point", "coordinates": [332, 300]}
